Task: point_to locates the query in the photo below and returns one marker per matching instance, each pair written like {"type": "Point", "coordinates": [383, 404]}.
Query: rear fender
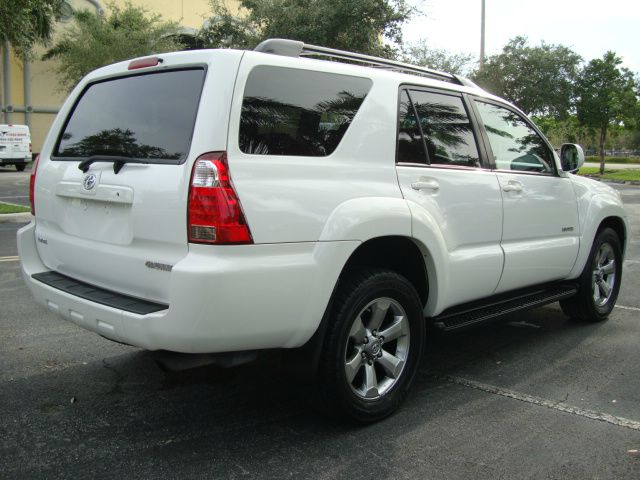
{"type": "Point", "coordinates": [365, 218]}
{"type": "Point", "coordinates": [428, 236]}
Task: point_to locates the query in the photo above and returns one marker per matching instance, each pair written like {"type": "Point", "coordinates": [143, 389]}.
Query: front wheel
{"type": "Point", "coordinates": [20, 167]}
{"type": "Point", "coordinates": [373, 345]}
{"type": "Point", "coordinates": [599, 282]}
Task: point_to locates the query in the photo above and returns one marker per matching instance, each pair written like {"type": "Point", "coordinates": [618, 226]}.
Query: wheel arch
{"type": "Point", "coordinates": [602, 211]}
{"type": "Point", "coordinates": [617, 224]}
{"type": "Point", "coordinates": [410, 258]}
{"type": "Point", "coordinates": [397, 253]}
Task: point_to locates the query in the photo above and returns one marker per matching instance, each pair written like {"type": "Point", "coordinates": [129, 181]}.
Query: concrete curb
{"type": "Point", "coordinates": [15, 217]}
{"type": "Point", "coordinates": [607, 180]}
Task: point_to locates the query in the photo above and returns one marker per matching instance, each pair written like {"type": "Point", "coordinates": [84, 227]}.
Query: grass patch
{"type": "Point", "coordinates": [596, 159]}
{"type": "Point", "coordinates": [628, 175]}
{"type": "Point", "coordinates": [9, 208]}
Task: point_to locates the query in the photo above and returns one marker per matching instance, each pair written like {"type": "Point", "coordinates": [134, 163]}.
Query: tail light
{"type": "Point", "coordinates": [214, 210]}
{"type": "Point", "coordinates": [32, 184]}
{"type": "Point", "coordinates": [30, 148]}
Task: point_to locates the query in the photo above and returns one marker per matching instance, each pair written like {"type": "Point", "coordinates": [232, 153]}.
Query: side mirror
{"type": "Point", "coordinates": [571, 157]}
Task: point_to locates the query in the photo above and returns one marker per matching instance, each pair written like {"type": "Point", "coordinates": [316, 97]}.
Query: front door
{"type": "Point", "coordinates": [540, 234]}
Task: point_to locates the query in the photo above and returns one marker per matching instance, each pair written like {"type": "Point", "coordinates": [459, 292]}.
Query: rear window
{"type": "Point", "coordinates": [287, 111]}
{"type": "Point", "coordinates": [148, 116]}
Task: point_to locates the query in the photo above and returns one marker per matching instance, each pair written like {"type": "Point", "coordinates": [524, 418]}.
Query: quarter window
{"type": "Point", "coordinates": [515, 145]}
{"type": "Point", "coordinates": [444, 130]}
{"type": "Point", "coordinates": [298, 112]}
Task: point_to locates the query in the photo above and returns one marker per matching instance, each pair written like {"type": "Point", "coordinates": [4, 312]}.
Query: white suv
{"type": "Point", "coordinates": [232, 201]}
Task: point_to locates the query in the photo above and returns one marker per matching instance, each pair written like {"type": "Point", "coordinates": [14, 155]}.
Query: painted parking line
{"type": "Point", "coordinates": [624, 307]}
{"type": "Point", "coordinates": [10, 259]}
{"type": "Point", "coordinates": [555, 405]}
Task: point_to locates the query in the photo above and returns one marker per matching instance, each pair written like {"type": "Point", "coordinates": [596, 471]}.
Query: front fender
{"type": "Point", "coordinates": [593, 210]}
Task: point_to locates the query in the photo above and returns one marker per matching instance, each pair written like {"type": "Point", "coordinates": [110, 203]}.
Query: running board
{"type": "Point", "coordinates": [475, 313]}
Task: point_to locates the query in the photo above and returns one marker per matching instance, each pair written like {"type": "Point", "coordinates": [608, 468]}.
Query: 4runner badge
{"type": "Point", "coordinates": [158, 266]}
{"type": "Point", "coordinates": [89, 181]}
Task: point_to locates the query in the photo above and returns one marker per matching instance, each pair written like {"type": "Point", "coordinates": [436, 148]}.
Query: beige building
{"type": "Point", "coordinates": [30, 93]}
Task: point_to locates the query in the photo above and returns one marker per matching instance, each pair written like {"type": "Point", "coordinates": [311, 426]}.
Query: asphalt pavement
{"type": "Point", "coordinates": [14, 186]}
{"type": "Point", "coordinates": [538, 396]}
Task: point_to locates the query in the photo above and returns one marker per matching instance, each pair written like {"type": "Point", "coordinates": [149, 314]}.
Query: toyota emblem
{"type": "Point", "coordinates": [89, 181]}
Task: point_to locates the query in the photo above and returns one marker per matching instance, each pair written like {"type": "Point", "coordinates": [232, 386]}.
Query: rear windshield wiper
{"type": "Point", "coordinates": [118, 162]}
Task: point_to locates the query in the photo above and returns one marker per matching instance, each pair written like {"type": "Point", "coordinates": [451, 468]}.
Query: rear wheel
{"type": "Point", "coordinates": [20, 167]}
{"type": "Point", "coordinates": [599, 282]}
{"type": "Point", "coordinates": [373, 345]}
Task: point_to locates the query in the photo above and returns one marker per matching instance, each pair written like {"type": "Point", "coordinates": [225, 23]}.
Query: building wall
{"type": "Point", "coordinates": [43, 84]}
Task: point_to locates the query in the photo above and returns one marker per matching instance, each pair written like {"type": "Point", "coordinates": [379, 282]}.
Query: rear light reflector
{"type": "Point", "coordinates": [32, 185]}
{"type": "Point", "coordinates": [214, 213]}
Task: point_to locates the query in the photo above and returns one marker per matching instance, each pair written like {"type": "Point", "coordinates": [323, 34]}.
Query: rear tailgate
{"type": "Point", "coordinates": [121, 224]}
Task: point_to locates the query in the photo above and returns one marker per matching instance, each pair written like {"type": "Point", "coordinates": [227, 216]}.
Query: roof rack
{"type": "Point", "coordinates": [295, 48]}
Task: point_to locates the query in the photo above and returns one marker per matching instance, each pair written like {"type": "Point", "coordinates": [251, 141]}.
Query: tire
{"type": "Point", "coordinates": [599, 282]}
{"type": "Point", "coordinates": [20, 167]}
{"type": "Point", "coordinates": [367, 380]}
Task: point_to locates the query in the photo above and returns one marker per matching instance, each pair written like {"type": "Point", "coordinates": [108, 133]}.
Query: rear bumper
{"type": "Point", "coordinates": [222, 299]}
{"type": "Point", "coordinates": [14, 160]}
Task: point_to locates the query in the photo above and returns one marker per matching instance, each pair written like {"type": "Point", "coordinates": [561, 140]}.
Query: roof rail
{"type": "Point", "coordinates": [295, 48]}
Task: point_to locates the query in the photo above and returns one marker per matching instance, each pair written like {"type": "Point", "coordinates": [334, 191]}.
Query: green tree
{"type": "Point", "coordinates": [96, 40]}
{"type": "Point", "coordinates": [438, 59]}
{"type": "Point", "coordinates": [565, 130]}
{"type": "Point", "coordinates": [24, 23]}
{"type": "Point", "coordinates": [539, 80]}
{"type": "Point", "coordinates": [606, 96]}
{"type": "Point", "coordinates": [358, 25]}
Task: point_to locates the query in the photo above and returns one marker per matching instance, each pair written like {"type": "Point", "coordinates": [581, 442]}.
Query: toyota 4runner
{"type": "Point", "coordinates": [230, 201]}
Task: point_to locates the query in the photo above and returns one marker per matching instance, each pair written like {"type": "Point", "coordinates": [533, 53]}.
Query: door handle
{"type": "Point", "coordinates": [425, 185]}
{"type": "Point", "coordinates": [513, 186]}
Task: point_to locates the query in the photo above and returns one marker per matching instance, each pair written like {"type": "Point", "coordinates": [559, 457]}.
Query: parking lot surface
{"type": "Point", "coordinates": [14, 186]}
{"type": "Point", "coordinates": [538, 396]}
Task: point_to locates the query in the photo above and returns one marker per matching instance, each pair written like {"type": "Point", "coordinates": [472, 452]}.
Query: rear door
{"type": "Point", "coordinates": [540, 235]}
{"type": "Point", "coordinates": [442, 175]}
{"type": "Point", "coordinates": [121, 226]}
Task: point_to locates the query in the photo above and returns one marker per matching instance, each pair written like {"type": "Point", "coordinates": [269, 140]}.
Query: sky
{"type": "Point", "coordinates": [588, 27]}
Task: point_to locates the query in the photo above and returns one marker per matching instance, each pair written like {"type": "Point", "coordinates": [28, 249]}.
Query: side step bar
{"type": "Point", "coordinates": [474, 313]}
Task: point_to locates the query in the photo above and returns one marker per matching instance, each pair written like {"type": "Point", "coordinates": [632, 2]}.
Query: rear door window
{"type": "Point", "coordinates": [288, 111]}
{"type": "Point", "coordinates": [149, 116]}
{"type": "Point", "coordinates": [441, 135]}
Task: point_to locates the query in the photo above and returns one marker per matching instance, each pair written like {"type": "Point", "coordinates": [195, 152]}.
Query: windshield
{"type": "Point", "coordinates": [148, 116]}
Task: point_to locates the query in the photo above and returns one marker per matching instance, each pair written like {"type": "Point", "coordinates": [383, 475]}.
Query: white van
{"type": "Point", "coordinates": [15, 146]}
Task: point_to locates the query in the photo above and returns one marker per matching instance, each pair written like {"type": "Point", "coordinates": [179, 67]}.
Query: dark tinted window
{"type": "Point", "coordinates": [146, 116]}
{"type": "Point", "coordinates": [447, 130]}
{"type": "Point", "coordinates": [298, 112]}
{"type": "Point", "coordinates": [515, 145]}
{"type": "Point", "coordinates": [410, 144]}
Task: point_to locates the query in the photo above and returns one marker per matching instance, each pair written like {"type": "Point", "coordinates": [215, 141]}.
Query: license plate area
{"type": "Point", "coordinates": [107, 222]}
